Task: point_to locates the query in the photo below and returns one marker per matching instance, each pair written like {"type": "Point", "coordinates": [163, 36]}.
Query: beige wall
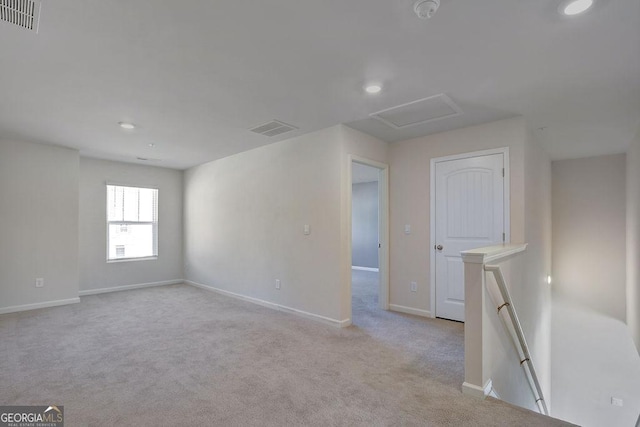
{"type": "Point", "coordinates": [244, 218]}
{"type": "Point", "coordinates": [38, 224]}
{"type": "Point", "coordinates": [530, 212]}
{"type": "Point", "coordinates": [594, 359]}
{"type": "Point", "coordinates": [95, 272]}
{"type": "Point", "coordinates": [533, 298]}
{"type": "Point", "coordinates": [589, 232]}
{"type": "Point", "coordinates": [633, 240]}
{"type": "Point", "coordinates": [501, 364]}
{"type": "Point", "coordinates": [525, 275]}
{"type": "Point", "coordinates": [364, 223]}
{"type": "Point", "coordinates": [410, 186]}
{"type": "Point", "coordinates": [245, 214]}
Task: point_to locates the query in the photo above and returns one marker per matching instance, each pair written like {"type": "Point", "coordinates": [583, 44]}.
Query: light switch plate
{"type": "Point", "coordinates": [307, 229]}
{"type": "Point", "coordinates": [39, 282]}
{"type": "Point", "coordinates": [407, 229]}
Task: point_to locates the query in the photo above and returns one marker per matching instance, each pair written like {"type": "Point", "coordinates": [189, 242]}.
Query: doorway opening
{"type": "Point", "coordinates": [369, 216]}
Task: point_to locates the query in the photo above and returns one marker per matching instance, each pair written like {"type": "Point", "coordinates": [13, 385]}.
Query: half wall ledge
{"type": "Point", "coordinates": [477, 382]}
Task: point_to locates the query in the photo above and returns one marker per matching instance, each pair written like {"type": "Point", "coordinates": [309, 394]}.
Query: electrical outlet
{"type": "Point", "coordinates": [407, 229]}
{"type": "Point", "coordinates": [277, 283]}
{"type": "Point", "coordinates": [40, 282]}
{"type": "Point", "coordinates": [414, 287]}
{"type": "Point", "coordinates": [616, 401]}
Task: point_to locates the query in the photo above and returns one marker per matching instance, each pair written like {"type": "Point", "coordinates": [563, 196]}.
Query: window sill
{"type": "Point", "coordinates": [116, 260]}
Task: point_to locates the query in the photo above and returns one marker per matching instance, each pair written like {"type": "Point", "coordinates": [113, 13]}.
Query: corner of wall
{"type": "Point", "coordinates": [40, 225]}
{"type": "Point", "coordinates": [633, 240]}
{"type": "Point", "coordinates": [538, 229]}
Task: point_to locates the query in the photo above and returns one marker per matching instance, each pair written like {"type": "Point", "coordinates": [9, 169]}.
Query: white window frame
{"type": "Point", "coordinates": [154, 224]}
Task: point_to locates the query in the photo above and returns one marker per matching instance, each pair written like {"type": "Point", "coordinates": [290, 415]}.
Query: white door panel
{"type": "Point", "coordinates": [469, 214]}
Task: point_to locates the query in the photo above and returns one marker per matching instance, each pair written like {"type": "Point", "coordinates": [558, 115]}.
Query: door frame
{"type": "Point", "coordinates": [383, 227]}
{"type": "Point", "coordinates": [432, 207]}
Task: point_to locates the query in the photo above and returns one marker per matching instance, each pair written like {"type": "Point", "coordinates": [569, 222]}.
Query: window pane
{"type": "Point", "coordinates": [147, 204]}
{"type": "Point", "coordinates": [131, 241]}
{"type": "Point", "coordinates": [132, 221]}
{"type": "Point", "coordinates": [115, 207]}
{"type": "Point", "coordinates": [131, 204]}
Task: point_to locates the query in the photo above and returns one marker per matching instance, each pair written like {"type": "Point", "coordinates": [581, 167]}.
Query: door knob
{"type": "Point", "coordinates": [439, 247]}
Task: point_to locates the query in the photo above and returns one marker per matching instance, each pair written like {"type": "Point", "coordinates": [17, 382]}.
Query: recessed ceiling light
{"type": "Point", "coordinates": [128, 126]}
{"type": "Point", "coordinates": [152, 145]}
{"type": "Point", "coordinates": [575, 7]}
{"type": "Point", "coordinates": [373, 89]}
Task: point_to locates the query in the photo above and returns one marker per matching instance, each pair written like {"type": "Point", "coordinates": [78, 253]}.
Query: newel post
{"type": "Point", "coordinates": [474, 382]}
{"type": "Point", "coordinates": [477, 381]}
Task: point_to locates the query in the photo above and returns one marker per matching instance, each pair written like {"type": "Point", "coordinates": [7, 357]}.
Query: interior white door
{"type": "Point", "coordinates": [470, 206]}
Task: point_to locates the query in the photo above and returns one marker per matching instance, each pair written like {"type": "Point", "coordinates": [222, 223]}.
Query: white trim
{"type": "Point", "coordinates": [47, 304]}
{"type": "Point", "coordinates": [409, 310]}
{"type": "Point", "coordinates": [355, 267]}
{"type": "Point", "coordinates": [274, 306]}
{"type": "Point", "coordinates": [493, 393]}
{"type": "Point", "coordinates": [432, 206]}
{"type": "Point", "coordinates": [477, 391]}
{"type": "Point", "coordinates": [367, 162]}
{"type": "Point", "coordinates": [87, 292]}
{"type": "Point", "coordinates": [120, 184]}
{"type": "Point", "coordinates": [471, 154]}
{"type": "Point", "coordinates": [492, 253]}
{"type": "Point", "coordinates": [154, 224]}
{"type": "Point", "coordinates": [383, 224]}
{"type": "Point", "coordinates": [116, 260]}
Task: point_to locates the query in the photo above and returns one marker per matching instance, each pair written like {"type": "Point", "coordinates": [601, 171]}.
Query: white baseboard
{"type": "Point", "coordinates": [493, 393]}
{"type": "Point", "coordinates": [38, 305]}
{"type": "Point", "coordinates": [409, 310]}
{"type": "Point", "coordinates": [87, 292]}
{"type": "Point", "coordinates": [355, 267]}
{"type": "Point", "coordinates": [316, 317]}
{"type": "Point", "coordinates": [477, 391]}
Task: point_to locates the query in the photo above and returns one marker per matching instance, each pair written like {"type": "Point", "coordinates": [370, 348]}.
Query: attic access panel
{"type": "Point", "coordinates": [426, 110]}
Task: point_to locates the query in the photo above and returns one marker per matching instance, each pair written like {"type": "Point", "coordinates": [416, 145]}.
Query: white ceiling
{"type": "Point", "coordinates": [196, 74]}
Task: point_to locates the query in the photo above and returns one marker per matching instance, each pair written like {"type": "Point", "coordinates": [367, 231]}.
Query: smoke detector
{"type": "Point", "coordinates": [425, 9]}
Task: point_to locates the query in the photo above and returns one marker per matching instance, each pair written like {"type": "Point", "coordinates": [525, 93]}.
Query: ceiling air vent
{"type": "Point", "coordinates": [23, 13]}
{"type": "Point", "coordinates": [273, 128]}
{"type": "Point", "coordinates": [419, 112]}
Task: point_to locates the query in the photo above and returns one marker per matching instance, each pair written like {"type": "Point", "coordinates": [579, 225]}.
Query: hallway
{"type": "Point", "coordinates": [435, 345]}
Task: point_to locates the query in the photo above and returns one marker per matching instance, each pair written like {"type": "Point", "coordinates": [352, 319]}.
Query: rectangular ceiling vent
{"type": "Point", "coordinates": [419, 112]}
{"type": "Point", "coordinates": [273, 128]}
{"type": "Point", "coordinates": [23, 13]}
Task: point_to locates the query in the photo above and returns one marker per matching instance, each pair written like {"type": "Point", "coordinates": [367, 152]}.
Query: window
{"type": "Point", "coordinates": [132, 223]}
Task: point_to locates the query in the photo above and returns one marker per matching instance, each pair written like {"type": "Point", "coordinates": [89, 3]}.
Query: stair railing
{"type": "Point", "coordinates": [526, 362]}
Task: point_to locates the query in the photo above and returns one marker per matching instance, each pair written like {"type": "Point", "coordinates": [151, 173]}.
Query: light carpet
{"type": "Point", "coordinates": [179, 355]}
